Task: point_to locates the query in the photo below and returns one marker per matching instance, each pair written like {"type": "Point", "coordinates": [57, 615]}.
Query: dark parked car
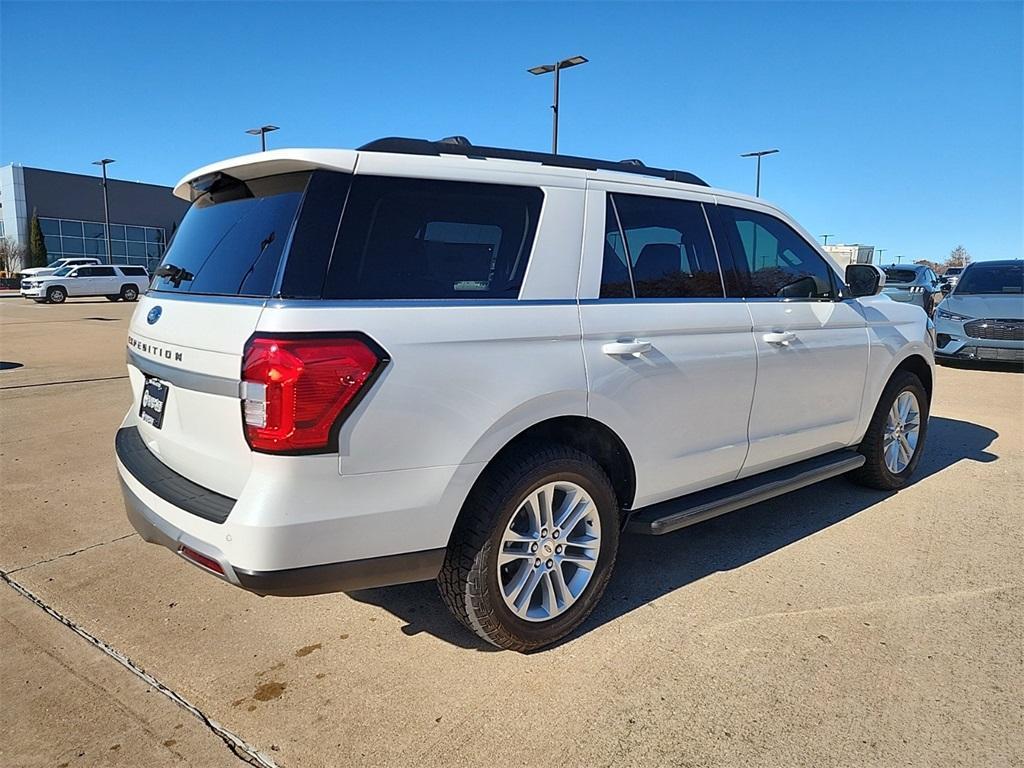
{"type": "Point", "coordinates": [913, 284]}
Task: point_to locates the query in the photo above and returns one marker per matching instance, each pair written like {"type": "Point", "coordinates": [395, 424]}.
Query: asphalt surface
{"type": "Point", "coordinates": [835, 626]}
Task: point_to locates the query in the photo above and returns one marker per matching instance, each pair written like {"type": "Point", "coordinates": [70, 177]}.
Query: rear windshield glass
{"type": "Point", "coordinates": [999, 278]}
{"type": "Point", "coordinates": [231, 240]}
{"type": "Point", "coordinates": [428, 239]}
{"type": "Point", "coordinates": [900, 275]}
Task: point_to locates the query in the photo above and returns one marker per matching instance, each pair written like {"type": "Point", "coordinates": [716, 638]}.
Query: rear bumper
{"type": "Point", "coordinates": [267, 548]}
{"type": "Point", "coordinates": [292, 582]}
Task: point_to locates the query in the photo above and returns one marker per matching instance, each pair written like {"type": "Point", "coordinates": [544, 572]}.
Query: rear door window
{"type": "Point", "coordinates": [665, 247]}
{"type": "Point", "coordinates": [429, 239]}
{"type": "Point", "coordinates": [233, 237]}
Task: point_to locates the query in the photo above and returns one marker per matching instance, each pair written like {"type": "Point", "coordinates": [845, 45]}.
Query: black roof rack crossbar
{"type": "Point", "coordinates": [404, 146]}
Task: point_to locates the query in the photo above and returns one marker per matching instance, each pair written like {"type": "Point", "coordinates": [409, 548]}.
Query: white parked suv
{"type": "Point", "coordinates": [422, 360]}
{"type": "Point", "coordinates": [116, 282]}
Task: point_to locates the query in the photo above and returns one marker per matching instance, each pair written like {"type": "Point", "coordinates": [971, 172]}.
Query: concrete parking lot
{"type": "Point", "coordinates": [836, 626]}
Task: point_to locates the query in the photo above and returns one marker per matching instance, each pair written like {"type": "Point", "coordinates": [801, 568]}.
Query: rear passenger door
{"type": "Point", "coordinates": [670, 359]}
{"type": "Point", "coordinates": [812, 347]}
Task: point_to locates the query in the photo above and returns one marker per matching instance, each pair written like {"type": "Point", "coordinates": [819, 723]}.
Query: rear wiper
{"type": "Point", "coordinates": [174, 274]}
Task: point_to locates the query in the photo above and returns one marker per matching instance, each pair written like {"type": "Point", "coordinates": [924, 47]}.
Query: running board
{"type": "Point", "coordinates": [674, 514]}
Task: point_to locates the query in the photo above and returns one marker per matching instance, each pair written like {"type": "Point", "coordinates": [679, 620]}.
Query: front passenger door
{"type": "Point", "coordinates": [78, 280]}
{"type": "Point", "coordinates": [812, 347]}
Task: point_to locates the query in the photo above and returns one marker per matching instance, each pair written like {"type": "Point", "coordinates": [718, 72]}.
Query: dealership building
{"type": "Point", "coordinates": [70, 209]}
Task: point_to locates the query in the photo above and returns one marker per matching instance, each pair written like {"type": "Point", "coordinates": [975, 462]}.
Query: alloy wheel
{"type": "Point", "coordinates": [902, 429]}
{"type": "Point", "coordinates": [549, 551]}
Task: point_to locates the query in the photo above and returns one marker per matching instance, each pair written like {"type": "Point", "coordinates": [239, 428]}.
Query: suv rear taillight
{"type": "Point", "coordinates": [299, 387]}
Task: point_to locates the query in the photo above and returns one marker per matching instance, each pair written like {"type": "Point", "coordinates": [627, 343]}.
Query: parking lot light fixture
{"type": "Point", "coordinates": [759, 154]}
{"type": "Point", "coordinates": [106, 206]}
{"type": "Point", "coordinates": [825, 237]}
{"type": "Point", "coordinates": [262, 132]}
{"type": "Point", "coordinates": [557, 68]}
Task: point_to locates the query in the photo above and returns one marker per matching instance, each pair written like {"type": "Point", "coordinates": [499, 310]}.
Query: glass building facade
{"type": "Point", "coordinates": [129, 244]}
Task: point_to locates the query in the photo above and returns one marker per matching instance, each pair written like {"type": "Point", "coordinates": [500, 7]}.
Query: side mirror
{"type": "Point", "coordinates": [946, 288]}
{"type": "Point", "coordinates": [864, 280]}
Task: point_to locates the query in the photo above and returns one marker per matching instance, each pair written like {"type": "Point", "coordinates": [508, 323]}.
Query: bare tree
{"type": "Point", "coordinates": [958, 257]}
{"type": "Point", "coordinates": [12, 256]}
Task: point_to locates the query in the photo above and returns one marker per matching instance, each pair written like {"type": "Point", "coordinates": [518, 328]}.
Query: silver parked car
{"type": "Point", "coordinates": [983, 318]}
{"type": "Point", "coordinates": [913, 284]}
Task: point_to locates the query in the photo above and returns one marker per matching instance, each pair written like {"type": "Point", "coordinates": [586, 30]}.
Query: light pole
{"type": "Point", "coordinates": [759, 154]}
{"type": "Point", "coordinates": [106, 206]}
{"type": "Point", "coordinates": [557, 67]}
{"type": "Point", "coordinates": [826, 237]}
{"type": "Point", "coordinates": [880, 251]}
{"type": "Point", "coordinates": [262, 132]}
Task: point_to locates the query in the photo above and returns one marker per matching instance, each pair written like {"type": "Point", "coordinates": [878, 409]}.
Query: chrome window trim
{"type": "Point", "coordinates": [414, 303]}
{"type": "Point", "coordinates": [191, 380]}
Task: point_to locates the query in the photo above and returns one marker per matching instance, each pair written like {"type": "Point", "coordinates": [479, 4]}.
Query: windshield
{"type": "Point", "coordinates": [62, 271]}
{"type": "Point", "coordinates": [56, 264]}
{"type": "Point", "coordinates": [231, 240]}
{"type": "Point", "coordinates": [954, 270]}
{"type": "Point", "coordinates": [1002, 278]}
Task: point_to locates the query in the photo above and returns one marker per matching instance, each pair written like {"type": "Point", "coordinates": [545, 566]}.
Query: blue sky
{"type": "Point", "coordinates": [899, 124]}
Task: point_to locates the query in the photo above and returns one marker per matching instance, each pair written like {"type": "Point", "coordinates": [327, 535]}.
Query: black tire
{"type": "Point", "coordinates": [469, 580]}
{"type": "Point", "coordinates": [56, 295]}
{"type": "Point", "coordinates": [113, 298]}
{"type": "Point", "coordinates": [130, 293]}
{"type": "Point", "coordinates": [875, 473]}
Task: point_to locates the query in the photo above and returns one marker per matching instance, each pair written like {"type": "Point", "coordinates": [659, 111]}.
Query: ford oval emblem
{"type": "Point", "coordinates": [154, 314]}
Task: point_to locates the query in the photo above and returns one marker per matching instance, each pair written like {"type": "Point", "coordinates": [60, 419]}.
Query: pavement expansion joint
{"type": "Point", "coordinates": [68, 554]}
{"type": "Point", "coordinates": [58, 383]}
{"type": "Point", "coordinates": [238, 746]}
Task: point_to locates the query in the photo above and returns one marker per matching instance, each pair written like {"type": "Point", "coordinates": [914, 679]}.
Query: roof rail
{"type": "Point", "coordinates": [459, 145]}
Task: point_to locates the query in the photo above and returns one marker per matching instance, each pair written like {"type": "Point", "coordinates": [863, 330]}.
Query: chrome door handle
{"type": "Point", "coordinates": [636, 347]}
{"type": "Point", "coordinates": [779, 337]}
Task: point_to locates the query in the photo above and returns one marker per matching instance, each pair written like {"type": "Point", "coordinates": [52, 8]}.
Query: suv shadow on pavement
{"type": "Point", "coordinates": [649, 567]}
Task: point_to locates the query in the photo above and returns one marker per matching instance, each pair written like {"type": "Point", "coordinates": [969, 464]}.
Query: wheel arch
{"type": "Point", "coordinates": [585, 434]}
{"type": "Point", "coordinates": [917, 365]}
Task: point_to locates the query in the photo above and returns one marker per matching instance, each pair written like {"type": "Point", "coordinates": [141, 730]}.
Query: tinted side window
{"type": "Point", "coordinates": [428, 239]}
{"type": "Point", "coordinates": [668, 248]}
{"type": "Point", "coordinates": [84, 272]}
{"type": "Point", "coordinates": [772, 259]}
{"type": "Point", "coordinates": [616, 282]}
{"type": "Point", "coordinates": [133, 271]}
{"type": "Point", "coordinates": [103, 271]}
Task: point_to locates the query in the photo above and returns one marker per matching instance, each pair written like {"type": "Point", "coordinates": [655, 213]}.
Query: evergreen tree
{"type": "Point", "coordinates": [36, 243]}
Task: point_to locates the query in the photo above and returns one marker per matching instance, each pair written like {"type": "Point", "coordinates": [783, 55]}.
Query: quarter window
{"type": "Point", "coordinates": [772, 259]}
{"type": "Point", "coordinates": [426, 239]}
{"type": "Point", "coordinates": [657, 247]}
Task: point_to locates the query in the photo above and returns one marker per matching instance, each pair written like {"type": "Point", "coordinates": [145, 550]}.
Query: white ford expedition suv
{"type": "Point", "coordinates": [422, 360]}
